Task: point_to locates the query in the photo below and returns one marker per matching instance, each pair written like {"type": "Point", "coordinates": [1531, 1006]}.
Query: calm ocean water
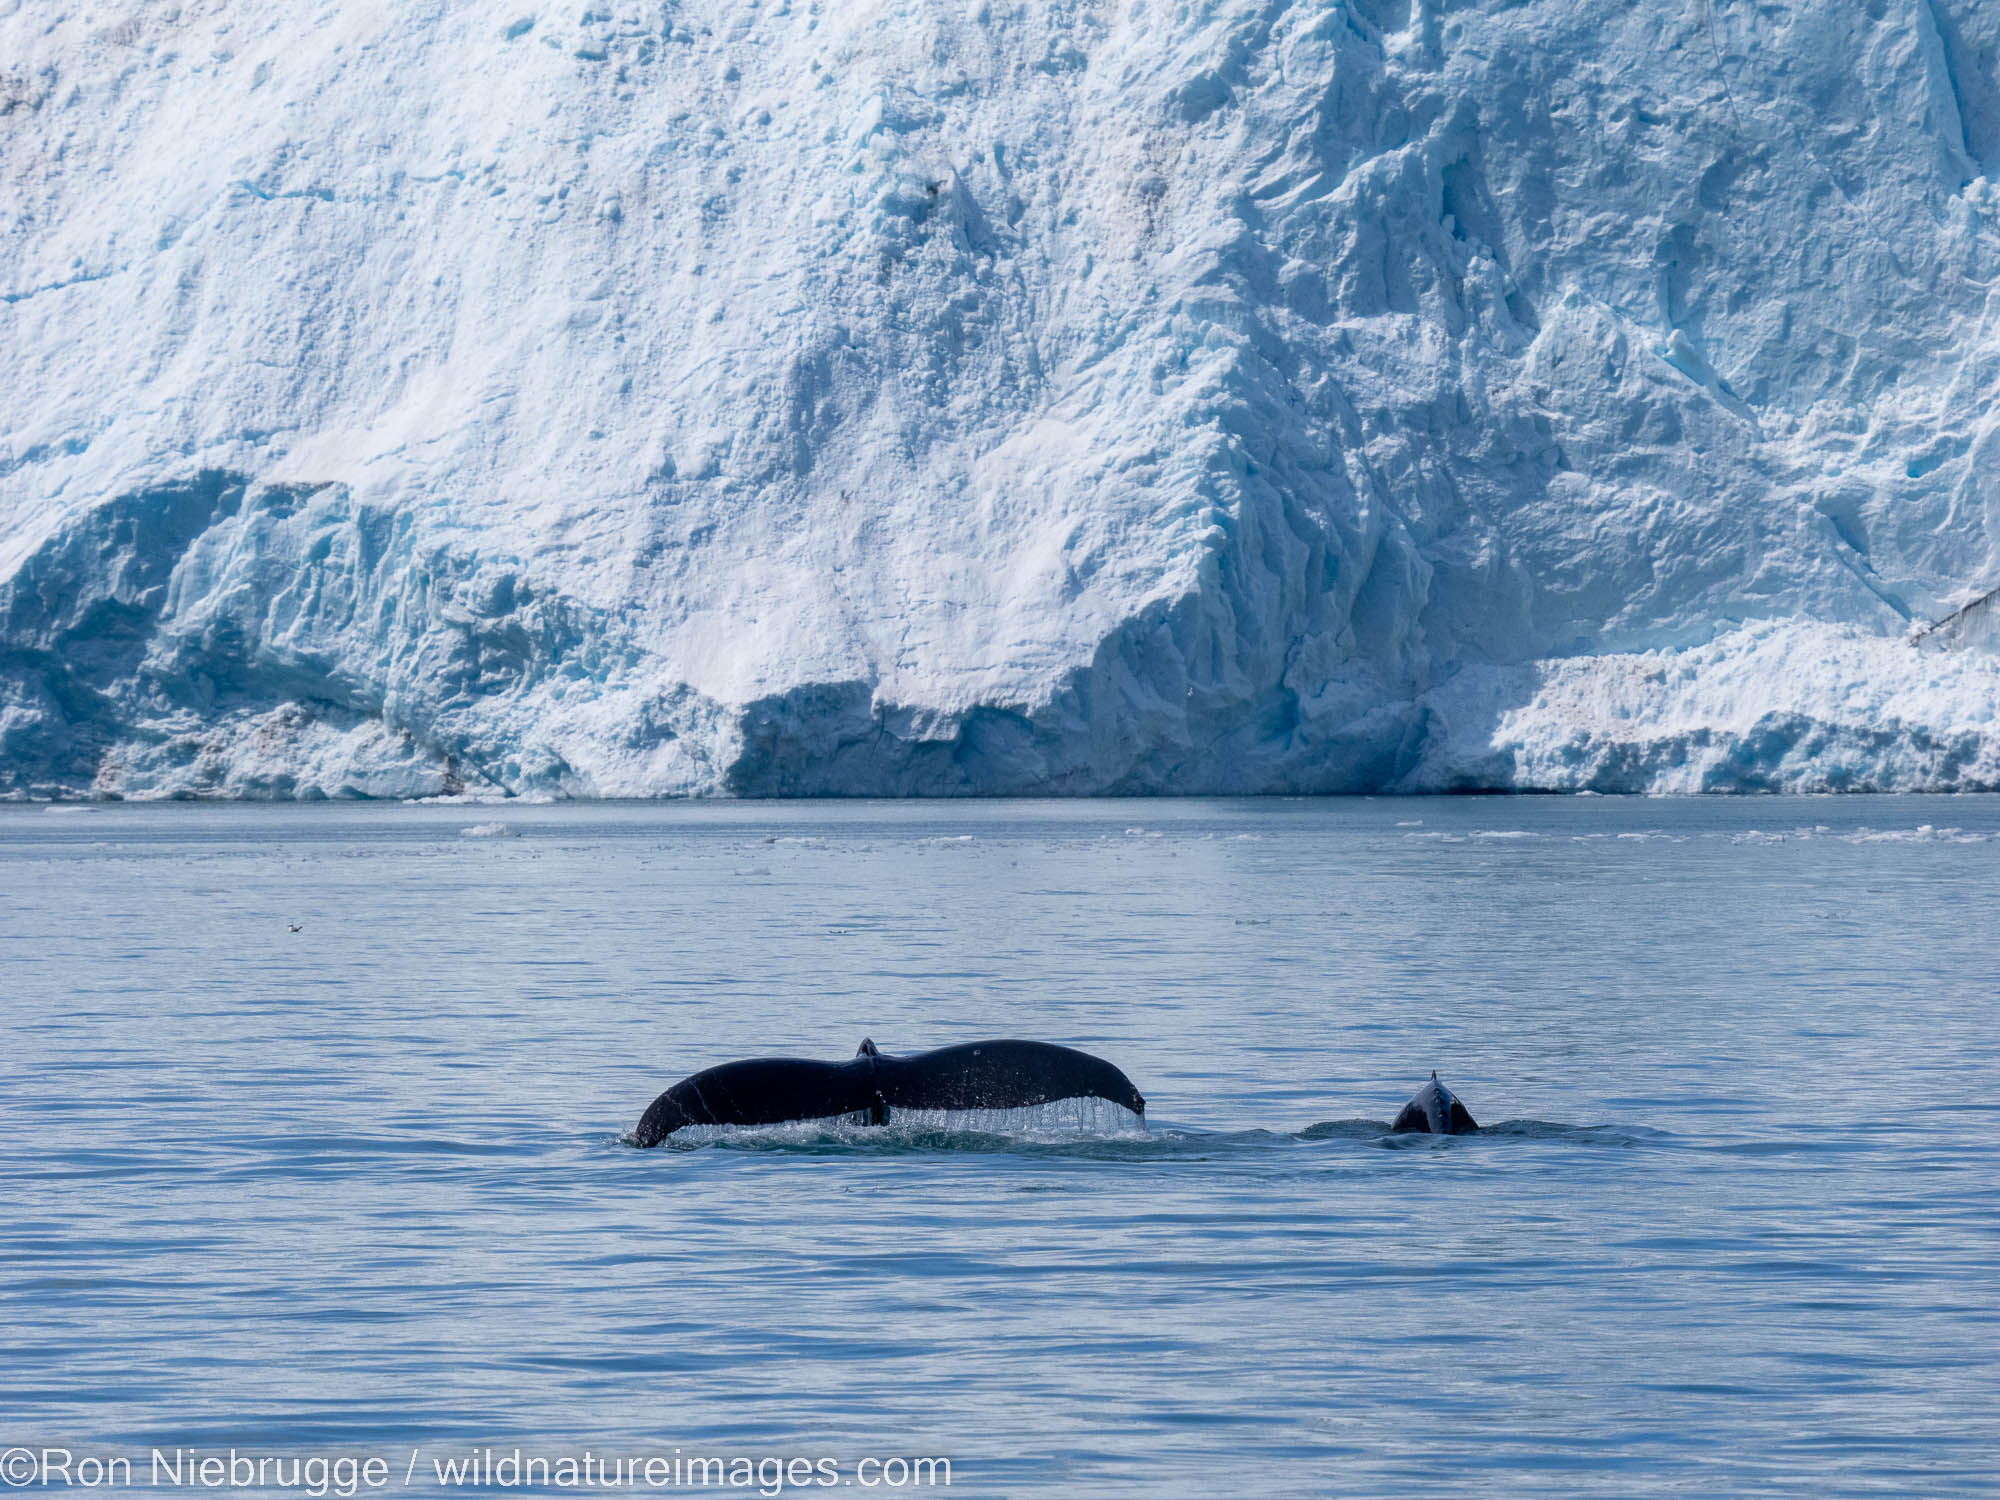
{"type": "Point", "coordinates": [360, 1189]}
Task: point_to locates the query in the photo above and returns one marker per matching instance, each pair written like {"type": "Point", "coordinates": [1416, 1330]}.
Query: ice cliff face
{"type": "Point", "coordinates": [786, 398]}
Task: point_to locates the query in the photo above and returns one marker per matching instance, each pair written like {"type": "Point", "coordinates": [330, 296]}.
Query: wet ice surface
{"type": "Point", "coordinates": [1733, 1224]}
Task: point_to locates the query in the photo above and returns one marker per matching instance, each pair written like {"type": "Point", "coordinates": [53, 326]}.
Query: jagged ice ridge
{"type": "Point", "coordinates": [781, 398]}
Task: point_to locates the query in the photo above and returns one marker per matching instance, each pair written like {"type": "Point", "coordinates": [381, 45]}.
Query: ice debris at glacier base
{"type": "Point", "coordinates": [688, 399]}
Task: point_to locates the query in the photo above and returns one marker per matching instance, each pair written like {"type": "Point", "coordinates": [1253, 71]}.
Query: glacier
{"type": "Point", "coordinates": [413, 399]}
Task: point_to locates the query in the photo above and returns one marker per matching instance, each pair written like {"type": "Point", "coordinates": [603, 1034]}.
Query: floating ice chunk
{"type": "Point", "coordinates": [1923, 833]}
{"type": "Point", "coordinates": [487, 831]}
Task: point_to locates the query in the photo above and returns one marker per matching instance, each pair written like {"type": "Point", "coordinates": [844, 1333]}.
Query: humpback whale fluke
{"type": "Point", "coordinates": [972, 1075]}
{"type": "Point", "coordinates": [1435, 1110]}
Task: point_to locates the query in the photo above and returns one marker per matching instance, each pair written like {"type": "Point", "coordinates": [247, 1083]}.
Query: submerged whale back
{"type": "Point", "coordinates": [1435, 1110]}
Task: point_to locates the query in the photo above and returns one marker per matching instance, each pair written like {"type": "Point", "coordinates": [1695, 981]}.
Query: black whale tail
{"type": "Point", "coordinates": [1003, 1075]}
{"type": "Point", "coordinates": [974, 1075]}
{"type": "Point", "coordinates": [1435, 1110]}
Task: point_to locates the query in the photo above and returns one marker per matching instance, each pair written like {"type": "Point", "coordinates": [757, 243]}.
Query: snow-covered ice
{"type": "Point", "coordinates": [428, 399]}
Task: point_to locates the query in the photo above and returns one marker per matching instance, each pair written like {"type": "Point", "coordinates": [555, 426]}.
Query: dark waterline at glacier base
{"type": "Point", "coordinates": [362, 1187]}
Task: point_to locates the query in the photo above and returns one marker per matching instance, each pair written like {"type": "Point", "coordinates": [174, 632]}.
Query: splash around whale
{"type": "Point", "coordinates": [990, 1075]}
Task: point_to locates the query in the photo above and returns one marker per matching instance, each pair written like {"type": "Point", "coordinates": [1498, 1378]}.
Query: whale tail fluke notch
{"type": "Point", "coordinates": [991, 1075]}
{"type": "Point", "coordinates": [1435, 1110]}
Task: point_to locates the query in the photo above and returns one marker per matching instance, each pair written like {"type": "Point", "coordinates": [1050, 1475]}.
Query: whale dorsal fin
{"type": "Point", "coordinates": [867, 1048]}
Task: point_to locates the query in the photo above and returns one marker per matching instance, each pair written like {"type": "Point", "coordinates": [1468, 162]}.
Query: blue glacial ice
{"type": "Point", "coordinates": [708, 399]}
